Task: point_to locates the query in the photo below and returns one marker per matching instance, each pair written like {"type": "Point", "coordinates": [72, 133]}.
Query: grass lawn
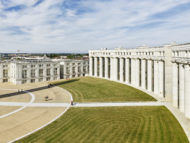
{"type": "Point", "coordinates": [89, 89]}
{"type": "Point", "coordinates": [112, 125]}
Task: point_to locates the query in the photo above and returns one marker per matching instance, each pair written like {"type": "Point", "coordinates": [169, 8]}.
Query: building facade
{"type": "Point", "coordinates": [163, 71]}
{"type": "Point", "coordinates": [70, 68]}
{"type": "Point", "coordinates": [29, 71]}
{"type": "Point", "coordinates": [32, 70]}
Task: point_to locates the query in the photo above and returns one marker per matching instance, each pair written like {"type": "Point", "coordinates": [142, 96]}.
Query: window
{"type": "Point", "coordinates": [24, 74]}
{"type": "Point", "coordinates": [32, 80]}
{"type": "Point", "coordinates": [40, 72]}
{"type": "Point", "coordinates": [5, 66]}
{"type": "Point", "coordinates": [32, 73]}
{"type": "Point", "coordinates": [5, 80]}
{"type": "Point", "coordinates": [40, 65]}
{"type": "Point", "coordinates": [55, 71]}
{"type": "Point", "coordinates": [24, 66]}
{"type": "Point", "coordinates": [32, 66]}
{"type": "Point", "coordinates": [48, 72]}
{"type": "Point", "coordinates": [5, 73]}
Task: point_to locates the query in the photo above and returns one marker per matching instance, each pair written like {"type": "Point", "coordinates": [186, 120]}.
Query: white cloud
{"type": "Point", "coordinates": [91, 24]}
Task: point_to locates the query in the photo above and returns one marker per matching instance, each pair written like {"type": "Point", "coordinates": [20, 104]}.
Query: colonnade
{"type": "Point", "coordinates": [142, 73]}
{"type": "Point", "coordinates": [181, 87]}
{"type": "Point", "coordinates": [163, 71]}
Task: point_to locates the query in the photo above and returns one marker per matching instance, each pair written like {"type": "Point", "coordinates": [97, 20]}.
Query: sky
{"type": "Point", "coordinates": [58, 26]}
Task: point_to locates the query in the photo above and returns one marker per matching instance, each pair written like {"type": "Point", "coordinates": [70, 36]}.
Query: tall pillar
{"type": "Point", "coordinates": [181, 88]}
{"type": "Point", "coordinates": [187, 91]}
{"type": "Point", "coordinates": [149, 75]}
{"type": "Point", "coordinates": [95, 66]}
{"type": "Point", "coordinates": [175, 85]}
{"type": "Point", "coordinates": [137, 73]}
{"type": "Point", "coordinates": [161, 78]}
{"type": "Point", "coordinates": [143, 74]}
{"type": "Point", "coordinates": [101, 67]}
{"type": "Point", "coordinates": [133, 72]}
{"type": "Point", "coordinates": [121, 69]}
{"type": "Point", "coordinates": [127, 71]}
{"type": "Point", "coordinates": [156, 80]}
{"type": "Point", "coordinates": [106, 67]}
{"type": "Point", "coordinates": [90, 66]}
{"type": "Point", "coordinates": [114, 70]}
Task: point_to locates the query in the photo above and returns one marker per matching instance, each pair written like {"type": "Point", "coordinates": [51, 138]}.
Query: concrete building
{"type": "Point", "coordinates": [70, 68]}
{"type": "Point", "coordinates": [163, 71]}
{"type": "Point", "coordinates": [29, 71]}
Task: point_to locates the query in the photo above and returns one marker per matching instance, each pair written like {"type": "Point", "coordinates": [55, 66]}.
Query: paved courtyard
{"type": "Point", "coordinates": [17, 118]}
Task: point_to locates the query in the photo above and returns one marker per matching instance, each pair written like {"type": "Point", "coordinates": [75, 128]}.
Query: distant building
{"type": "Point", "coordinates": [20, 70]}
{"type": "Point", "coordinates": [29, 71]}
{"type": "Point", "coordinates": [71, 68]}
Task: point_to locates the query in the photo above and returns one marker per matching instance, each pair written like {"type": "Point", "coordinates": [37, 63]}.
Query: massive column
{"type": "Point", "coordinates": [149, 75]}
{"type": "Point", "coordinates": [143, 74]}
{"type": "Point", "coordinates": [161, 78]}
{"type": "Point", "coordinates": [175, 85]}
{"type": "Point", "coordinates": [133, 71]}
{"type": "Point", "coordinates": [187, 91]}
{"type": "Point", "coordinates": [127, 71]}
{"type": "Point", "coordinates": [137, 72]}
{"type": "Point", "coordinates": [90, 66]}
{"type": "Point", "coordinates": [95, 66]}
{"type": "Point", "coordinates": [121, 69]}
{"type": "Point", "coordinates": [156, 80]}
{"type": "Point", "coordinates": [101, 67]}
{"type": "Point", "coordinates": [106, 67]}
{"type": "Point", "coordinates": [181, 88]}
{"type": "Point", "coordinates": [114, 70]}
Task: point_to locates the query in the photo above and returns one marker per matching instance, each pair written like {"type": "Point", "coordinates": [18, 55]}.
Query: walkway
{"type": "Point", "coordinates": [93, 104]}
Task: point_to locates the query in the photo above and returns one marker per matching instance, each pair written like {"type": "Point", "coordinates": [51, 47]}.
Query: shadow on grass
{"type": "Point", "coordinates": [38, 89]}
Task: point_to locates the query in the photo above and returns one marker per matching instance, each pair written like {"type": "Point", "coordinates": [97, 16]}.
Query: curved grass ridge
{"type": "Point", "coordinates": [89, 89]}
{"type": "Point", "coordinates": [112, 125]}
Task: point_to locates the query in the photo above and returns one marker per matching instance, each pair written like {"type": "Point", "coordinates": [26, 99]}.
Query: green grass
{"type": "Point", "coordinates": [112, 125]}
{"type": "Point", "coordinates": [88, 89]}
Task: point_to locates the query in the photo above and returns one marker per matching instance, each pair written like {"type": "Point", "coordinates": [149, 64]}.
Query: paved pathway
{"type": "Point", "coordinates": [23, 106]}
{"type": "Point", "coordinates": [93, 104]}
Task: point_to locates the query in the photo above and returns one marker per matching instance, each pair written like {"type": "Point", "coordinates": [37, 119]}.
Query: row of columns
{"type": "Point", "coordinates": [145, 73]}
{"type": "Point", "coordinates": [181, 87]}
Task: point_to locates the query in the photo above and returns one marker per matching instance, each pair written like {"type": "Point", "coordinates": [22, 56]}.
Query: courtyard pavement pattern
{"type": "Point", "coordinates": [18, 121]}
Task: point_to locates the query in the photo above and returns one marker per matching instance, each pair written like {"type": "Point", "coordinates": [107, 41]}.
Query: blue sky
{"type": "Point", "coordinates": [82, 25]}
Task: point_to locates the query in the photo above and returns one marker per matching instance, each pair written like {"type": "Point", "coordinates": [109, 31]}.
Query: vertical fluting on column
{"type": "Point", "coordinates": [156, 80]}
{"type": "Point", "coordinates": [143, 73]}
{"type": "Point", "coordinates": [149, 74]}
{"type": "Point", "coordinates": [161, 78]}
{"type": "Point", "coordinates": [90, 66]}
{"type": "Point", "coordinates": [175, 85]}
{"type": "Point", "coordinates": [106, 67]}
{"type": "Point", "coordinates": [121, 69]}
{"type": "Point", "coordinates": [187, 91]}
{"type": "Point", "coordinates": [101, 67]}
{"type": "Point", "coordinates": [95, 66]}
{"type": "Point", "coordinates": [181, 88]}
{"type": "Point", "coordinates": [127, 71]}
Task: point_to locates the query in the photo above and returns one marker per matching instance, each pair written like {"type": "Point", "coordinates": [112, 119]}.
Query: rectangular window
{"type": "Point", "coordinates": [40, 72]}
{"type": "Point", "coordinates": [32, 73]}
{"type": "Point", "coordinates": [24, 74]}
